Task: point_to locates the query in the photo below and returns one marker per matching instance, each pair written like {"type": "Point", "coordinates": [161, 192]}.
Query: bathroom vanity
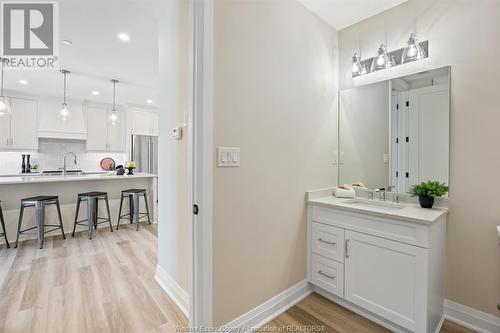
{"type": "Point", "coordinates": [380, 259]}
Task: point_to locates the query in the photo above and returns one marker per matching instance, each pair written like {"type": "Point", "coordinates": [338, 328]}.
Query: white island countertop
{"type": "Point", "coordinates": [408, 212]}
{"type": "Point", "coordinates": [36, 179]}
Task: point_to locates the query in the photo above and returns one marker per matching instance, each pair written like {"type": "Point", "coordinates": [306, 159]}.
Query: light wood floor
{"type": "Point", "coordinates": [315, 310]}
{"type": "Point", "coordinates": [77, 285]}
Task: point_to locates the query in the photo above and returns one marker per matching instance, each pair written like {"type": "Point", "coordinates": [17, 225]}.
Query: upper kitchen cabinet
{"type": "Point", "coordinates": [52, 125]}
{"type": "Point", "coordinates": [19, 130]}
{"type": "Point", "coordinates": [102, 135]}
{"type": "Point", "coordinates": [144, 121]}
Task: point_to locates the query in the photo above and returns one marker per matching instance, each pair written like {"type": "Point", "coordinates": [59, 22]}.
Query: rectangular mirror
{"type": "Point", "coordinates": [394, 134]}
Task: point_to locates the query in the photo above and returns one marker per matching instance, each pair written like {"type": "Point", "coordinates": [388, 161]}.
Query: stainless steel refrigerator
{"type": "Point", "coordinates": [144, 152]}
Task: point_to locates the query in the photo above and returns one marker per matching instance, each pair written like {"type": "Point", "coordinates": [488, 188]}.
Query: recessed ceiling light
{"type": "Point", "coordinates": [95, 93]}
{"type": "Point", "coordinates": [123, 37]}
{"type": "Point", "coordinates": [23, 81]}
{"type": "Point", "coordinates": [67, 42]}
{"type": "Point", "coordinates": [149, 101]}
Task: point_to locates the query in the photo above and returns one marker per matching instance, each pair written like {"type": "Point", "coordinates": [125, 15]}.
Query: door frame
{"type": "Point", "coordinates": [200, 161]}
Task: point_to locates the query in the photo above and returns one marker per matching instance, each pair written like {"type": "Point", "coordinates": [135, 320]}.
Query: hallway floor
{"type": "Point", "coordinates": [77, 285]}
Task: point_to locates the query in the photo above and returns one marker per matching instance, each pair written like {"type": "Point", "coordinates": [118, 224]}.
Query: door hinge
{"type": "Point", "coordinates": [195, 209]}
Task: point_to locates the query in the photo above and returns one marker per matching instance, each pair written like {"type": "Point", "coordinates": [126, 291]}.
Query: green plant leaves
{"type": "Point", "coordinates": [429, 189]}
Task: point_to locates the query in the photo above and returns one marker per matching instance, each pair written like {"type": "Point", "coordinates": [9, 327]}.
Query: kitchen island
{"type": "Point", "coordinates": [15, 188]}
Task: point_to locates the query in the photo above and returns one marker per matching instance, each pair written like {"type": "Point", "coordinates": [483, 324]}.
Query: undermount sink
{"type": "Point", "coordinates": [375, 204]}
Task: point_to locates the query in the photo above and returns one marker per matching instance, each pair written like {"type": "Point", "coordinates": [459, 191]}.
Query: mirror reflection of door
{"type": "Point", "coordinates": [395, 133]}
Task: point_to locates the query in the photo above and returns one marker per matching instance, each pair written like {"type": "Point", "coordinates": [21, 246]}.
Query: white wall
{"type": "Point", "coordinates": [463, 34]}
{"type": "Point", "coordinates": [172, 154]}
{"type": "Point", "coordinates": [276, 98]}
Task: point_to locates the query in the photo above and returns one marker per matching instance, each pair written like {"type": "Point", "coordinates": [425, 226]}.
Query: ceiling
{"type": "Point", "coordinates": [97, 55]}
{"type": "Point", "coordinates": [343, 13]}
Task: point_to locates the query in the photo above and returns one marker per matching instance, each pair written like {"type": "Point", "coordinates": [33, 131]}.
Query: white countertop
{"type": "Point", "coordinates": [70, 178]}
{"type": "Point", "coordinates": [409, 212]}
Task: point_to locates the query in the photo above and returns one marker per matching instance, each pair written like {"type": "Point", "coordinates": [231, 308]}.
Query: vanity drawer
{"type": "Point", "coordinates": [328, 274]}
{"type": "Point", "coordinates": [327, 241]}
{"type": "Point", "coordinates": [402, 231]}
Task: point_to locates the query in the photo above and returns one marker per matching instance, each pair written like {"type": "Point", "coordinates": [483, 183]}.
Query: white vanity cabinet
{"type": "Point", "coordinates": [386, 268]}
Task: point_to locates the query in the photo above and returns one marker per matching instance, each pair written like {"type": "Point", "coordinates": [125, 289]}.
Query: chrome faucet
{"type": "Point", "coordinates": [64, 161]}
{"type": "Point", "coordinates": [381, 193]}
{"type": "Point", "coordinates": [395, 198]}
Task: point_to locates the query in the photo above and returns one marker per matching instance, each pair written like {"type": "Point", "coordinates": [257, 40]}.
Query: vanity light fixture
{"type": "Point", "coordinates": [381, 60]}
{"type": "Point", "coordinates": [413, 51]}
{"type": "Point", "coordinates": [64, 112]}
{"type": "Point", "coordinates": [113, 117]}
{"type": "Point", "coordinates": [387, 59]}
{"type": "Point", "coordinates": [4, 104]}
{"type": "Point", "coordinates": [356, 64]}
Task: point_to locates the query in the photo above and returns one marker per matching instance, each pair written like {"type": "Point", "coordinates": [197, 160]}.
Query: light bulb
{"type": "Point", "coordinates": [113, 117]}
{"type": "Point", "coordinates": [64, 112]}
{"type": "Point", "coordinates": [381, 59]}
{"type": "Point", "coordinates": [413, 51]}
{"type": "Point", "coordinates": [356, 64]}
{"type": "Point", "coordinates": [4, 107]}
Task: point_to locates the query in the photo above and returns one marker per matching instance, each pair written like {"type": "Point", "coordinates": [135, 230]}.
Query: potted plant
{"type": "Point", "coordinates": [427, 191]}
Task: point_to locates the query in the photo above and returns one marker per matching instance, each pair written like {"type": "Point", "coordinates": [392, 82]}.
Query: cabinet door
{"type": "Point", "coordinates": [24, 123]}
{"type": "Point", "coordinates": [155, 119]}
{"type": "Point", "coordinates": [141, 122]}
{"type": "Point", "coordinates": [97, 128]}
{"type": "Point", "coordinates": [116, 133]}
{"type": "Point", "coordinates": [387, 278]}
{"type": "Point", "coordinates": [4, 132]}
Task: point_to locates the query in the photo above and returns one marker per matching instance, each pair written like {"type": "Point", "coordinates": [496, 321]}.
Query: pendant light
{"type": "Point", "coordinates": [381, 60]}
{"type": "Point", "coordinates": [64, 112]}
{"type": "Point", "coordinates": [4, 104]}
{"type": "Point", "coordinates": [356, 64]}
{"type": "Point", "coordinates": [413, 51]}
{"type": "Point", "coordinates": [113, 117]}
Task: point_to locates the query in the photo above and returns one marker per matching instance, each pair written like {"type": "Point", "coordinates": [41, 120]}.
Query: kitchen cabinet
{"type": "Point", "coordinates": [52, 126]}
{"type": "Point", "coordinates": [144, 122]}
{"type": "Point", "coordinates": [382, 265]}
{"type": "Point", "coordinates": [19, 130]}
{"type": "Point", "coordinates": [102, 135]}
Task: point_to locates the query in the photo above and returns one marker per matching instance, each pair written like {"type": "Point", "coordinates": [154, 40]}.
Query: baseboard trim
{"type": "Point", "coordinates": [270, 309]}
{"type": "Point", "coordinates": [440, 324]}
{"type": "Point", "coordinates": [173, 290]}
{"type": "Point", "coordinates": [471, 318]}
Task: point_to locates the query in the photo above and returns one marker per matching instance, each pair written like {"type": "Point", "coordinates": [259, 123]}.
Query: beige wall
{"type": "Point", "coordinates": [275, 98]}
{"type": "Point", "coordinates": [173, 181]}
{"type": "Point", "coordinates": [463, 34]}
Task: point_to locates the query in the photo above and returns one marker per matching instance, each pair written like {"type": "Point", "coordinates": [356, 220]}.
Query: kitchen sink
{"type": "Point", "coordinates": [60, 172]}
{"type": "Point", "coordinates": [383, 205]}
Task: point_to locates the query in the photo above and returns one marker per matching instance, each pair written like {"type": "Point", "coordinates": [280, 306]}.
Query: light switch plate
{"type": "Point", "coordinates": [176, 133]}
{"type": "Point", "coordinates": [228, 157]}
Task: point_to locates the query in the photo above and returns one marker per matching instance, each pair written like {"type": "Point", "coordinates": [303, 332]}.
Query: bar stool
{"type": "Point", "coordinates": [93, 219]}
{"type": "Point", "coordinates": [133, 215]}
{"type": "Point", "coordinates": [4, 233]}
{"type": "Point", "coordinates": [40, 202]}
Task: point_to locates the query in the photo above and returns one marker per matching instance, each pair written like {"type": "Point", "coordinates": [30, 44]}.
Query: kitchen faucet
{"type": "Point", "coordinates": [64, 161]}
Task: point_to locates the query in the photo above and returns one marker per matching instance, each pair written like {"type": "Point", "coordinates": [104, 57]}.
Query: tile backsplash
{"type": "Point", "coordinates": [50, 157]}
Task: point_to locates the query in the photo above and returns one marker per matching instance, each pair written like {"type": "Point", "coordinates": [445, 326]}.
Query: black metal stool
{"type": "Point", "coordinates": [40, 202]}
{"type": "Point", "coordinates": [93, 219]}
{"type": "Point", "coordinates": [4, 233]}
{"type": "Point", "coordinates": [133, 215]}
